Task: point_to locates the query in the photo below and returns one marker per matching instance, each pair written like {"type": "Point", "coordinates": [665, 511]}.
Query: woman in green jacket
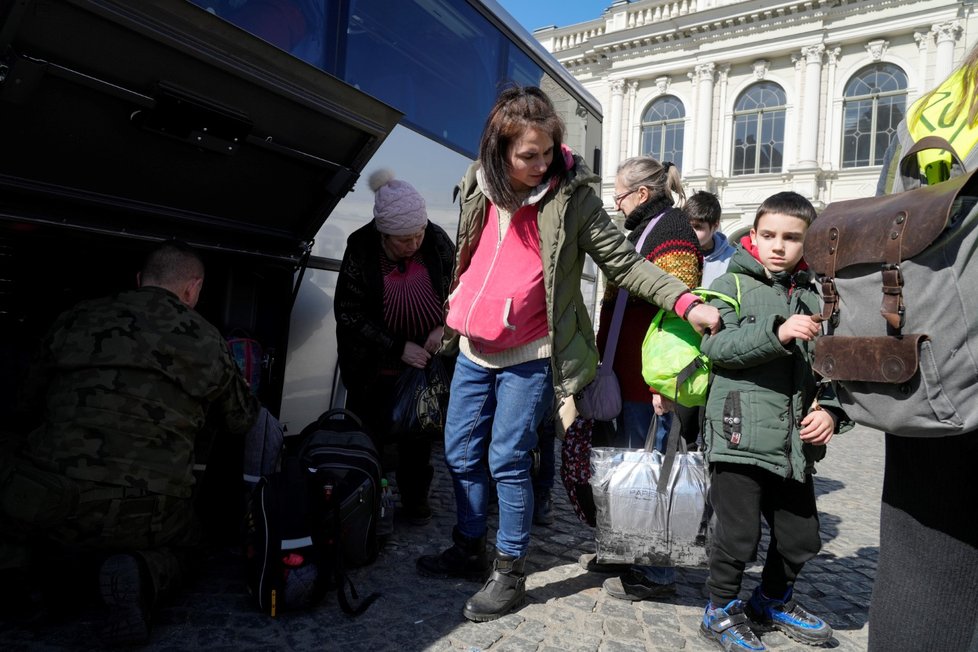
{"type": "Point", "coordinates": [529, 217]}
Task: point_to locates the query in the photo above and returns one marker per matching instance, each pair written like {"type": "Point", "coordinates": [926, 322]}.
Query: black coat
{"type": "Point", "coordinates": [362, 337]}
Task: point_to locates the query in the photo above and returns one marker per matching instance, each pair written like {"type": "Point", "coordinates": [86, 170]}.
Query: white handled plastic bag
{"type": "Point", "coordinates": [651, 508]}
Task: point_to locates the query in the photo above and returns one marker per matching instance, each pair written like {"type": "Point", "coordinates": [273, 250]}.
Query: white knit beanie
{"type": "Point", "coordinates": [398, 208]}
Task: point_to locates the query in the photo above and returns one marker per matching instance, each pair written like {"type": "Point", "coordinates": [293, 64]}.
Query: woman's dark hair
{"type": "Point", "coordinates": [517, 109]}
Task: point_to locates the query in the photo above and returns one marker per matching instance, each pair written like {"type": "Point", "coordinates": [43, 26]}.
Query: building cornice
{"type": "Point", "coordinates": [595, 43]}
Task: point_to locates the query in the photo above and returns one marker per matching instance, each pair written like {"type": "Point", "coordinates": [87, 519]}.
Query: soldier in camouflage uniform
{"type": "Point", "coordinates": [125, 384]}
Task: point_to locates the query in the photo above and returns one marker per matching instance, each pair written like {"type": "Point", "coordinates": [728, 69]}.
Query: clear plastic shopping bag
{"type": "Point", "coordinates": [652, 508]}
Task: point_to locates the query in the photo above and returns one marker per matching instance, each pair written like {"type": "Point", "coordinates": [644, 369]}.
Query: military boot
{"type": "Point", "coordinates": [466, 559]}
{"type": "Point", "coordinates": [504, 590]}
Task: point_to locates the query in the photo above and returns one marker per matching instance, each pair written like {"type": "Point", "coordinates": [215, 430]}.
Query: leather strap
{"type": "Point", "coordinates": [885, 359]}
{"type": "Point", "coordinates": [611, 345]}
{"type": "Point", "coordinates": [892, 307]}
{"type": "Point", "coordinates": [830, 307]}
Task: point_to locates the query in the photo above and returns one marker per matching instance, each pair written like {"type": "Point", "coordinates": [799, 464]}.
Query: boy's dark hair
{"type": "Point", "coordinates": [787, 203]}
{"type": "Point", "coordinates": [517, 108]}
{"type": "Point", "coordinates": [703, 206]}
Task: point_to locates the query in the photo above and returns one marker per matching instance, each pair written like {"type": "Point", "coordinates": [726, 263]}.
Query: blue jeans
{"type": "Point", "coordinates": [500, 408]}
{"type": "Point", "coordinates": [633, 427]}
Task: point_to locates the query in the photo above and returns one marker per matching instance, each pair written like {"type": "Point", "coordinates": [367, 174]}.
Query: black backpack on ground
{"type": "Point", "coordinates": [316, 517]}
{"type": "Point", "coordinates": [347, 470]}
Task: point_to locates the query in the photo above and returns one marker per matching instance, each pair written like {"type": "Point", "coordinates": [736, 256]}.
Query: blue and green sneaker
{"type": "Point", "coordinates": [788, 616]}
{"type": "Point", "coordinates": [728, 628]}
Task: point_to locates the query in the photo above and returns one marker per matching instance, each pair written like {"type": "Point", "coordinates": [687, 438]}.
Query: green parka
{"type": "Point", "coordinates": [573, 224]}
{"type": "Point", "coordinates": [762, 389]}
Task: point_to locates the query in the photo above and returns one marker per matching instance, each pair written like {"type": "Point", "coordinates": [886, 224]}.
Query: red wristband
{"type": "Point", "coordinates": [685, 303]}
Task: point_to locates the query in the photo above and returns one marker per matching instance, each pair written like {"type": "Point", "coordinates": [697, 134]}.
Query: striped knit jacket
{"type": "Point", "coordinates": [672, 245]}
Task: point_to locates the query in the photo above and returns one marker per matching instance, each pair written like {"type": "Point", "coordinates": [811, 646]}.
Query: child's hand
{"type": "Point", "coordinates": [817, 427]}
{"type": "Point", "coordinates": [801, 326]}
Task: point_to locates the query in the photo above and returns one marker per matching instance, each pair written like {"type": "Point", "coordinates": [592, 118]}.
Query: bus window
{"type": "Point", "coordinates": [431, 59]}
{"type": "Point", "coordinates": [296, 26]}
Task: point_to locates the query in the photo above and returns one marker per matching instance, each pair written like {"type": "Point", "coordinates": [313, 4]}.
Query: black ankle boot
{"type": "Point", "coordinates": [466, 559]}
{"type": "Point", "coordinates": [504, 590]}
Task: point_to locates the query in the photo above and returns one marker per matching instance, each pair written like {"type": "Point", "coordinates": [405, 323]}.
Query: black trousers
{"type": "Point", "coordinates": [925, 596]}
{"type": "Point", "coordinates": [406, 454]}
{"type": "Point", "coordinates": [740, 495]}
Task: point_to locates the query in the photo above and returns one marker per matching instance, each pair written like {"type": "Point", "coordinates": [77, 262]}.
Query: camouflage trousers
{"type": "Point", "coordinates": [79, 517]}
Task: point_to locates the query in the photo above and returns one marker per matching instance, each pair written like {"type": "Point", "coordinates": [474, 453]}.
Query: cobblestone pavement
{"type": "Point", "coordinates": [566, 608]}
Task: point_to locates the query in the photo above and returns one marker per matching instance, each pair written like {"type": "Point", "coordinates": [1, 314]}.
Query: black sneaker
{"type": "Point", "coordinates": [123, 590]}
{"type": "Point", "coordinates": [788, 616]}
{"type": "Point", "coordinates": [633, 585]}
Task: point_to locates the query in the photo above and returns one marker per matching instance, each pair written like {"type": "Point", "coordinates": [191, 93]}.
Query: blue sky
{"type": "Point", "coordinates": [541, 13]}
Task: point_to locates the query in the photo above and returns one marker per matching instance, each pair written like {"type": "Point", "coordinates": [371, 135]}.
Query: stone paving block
{"type": "Point", "coordinates": [614, 608]}
{"type": "Point", "coordinates": [621, 628]}
{"type": "Point", "coordinates": [516, 644]}
{"type": "Point", "coordinates": [479, 635]}
{"type": "Point", "coordinates": [575, 642]}
{"type": "Point", "coordinates": [665, 639]}
{"type": "Point", "coordinates": [574, 621]}
{"type": "Point", "coordinates": [583, 600]}
{"type": "Point", "coordinates": [661, 618]}
{"type": "Point", "coordinates": [533, 630]}
{"type": "Point", "coordinates": [622, 646]}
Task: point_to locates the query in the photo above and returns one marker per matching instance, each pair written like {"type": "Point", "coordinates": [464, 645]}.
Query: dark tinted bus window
{"type": "Point", "coordinates": [440, 62]}
{"type": "Point", "coordinates": [432, 59]}
{"type": "Point", "coordinates": [296, 26]}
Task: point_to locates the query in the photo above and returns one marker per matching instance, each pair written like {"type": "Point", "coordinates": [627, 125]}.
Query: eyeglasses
{"type": "Point", "coordinates": [618, 198]}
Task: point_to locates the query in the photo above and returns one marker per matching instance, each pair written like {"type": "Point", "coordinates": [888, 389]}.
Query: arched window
{"type": "Point", "coordinates": [759, 129]}
{"type": "Point", "coordinates": [662, 130]}
{"type": "Point", "coordinates": [875, 101]}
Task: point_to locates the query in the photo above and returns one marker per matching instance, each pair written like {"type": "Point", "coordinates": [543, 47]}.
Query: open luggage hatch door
{"type": "Point", "coordinates": [157, 119]}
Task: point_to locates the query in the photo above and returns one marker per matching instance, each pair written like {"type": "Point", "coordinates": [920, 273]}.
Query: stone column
{"type": "Point", "coordinates": [634, 121]}
{"type": "Point", "coordinates": [946, 34]}
{"type": "Point", "coordinates": [923, 40]}
{"type": "Point", "coordinates": [614, 131]}
{"type": "Point", "coordinates": [704, 118]}
{"type": "Point", "coordinates": [833, 113]}
{"type": "Point", "coordinates": [810, 108]}
{"type": "Point", "coordinates": [721, 165]}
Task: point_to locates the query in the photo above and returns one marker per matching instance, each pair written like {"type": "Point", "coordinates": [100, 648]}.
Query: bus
{"type": "Point", "coordinates": [242, 127]}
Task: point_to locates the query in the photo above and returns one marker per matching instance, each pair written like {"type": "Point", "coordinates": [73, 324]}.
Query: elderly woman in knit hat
{"type": "Point", "coordinates": [390, 294]}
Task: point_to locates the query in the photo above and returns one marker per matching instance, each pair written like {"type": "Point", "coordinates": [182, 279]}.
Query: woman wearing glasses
{"type": "Point", "coordinates": [645, 190]}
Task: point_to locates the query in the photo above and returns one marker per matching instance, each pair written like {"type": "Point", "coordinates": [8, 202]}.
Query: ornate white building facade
{"type": "Point", "coordinates": [751, 97]}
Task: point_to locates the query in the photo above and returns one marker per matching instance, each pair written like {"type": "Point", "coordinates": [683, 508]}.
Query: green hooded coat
{"type": "Point", "coordinates": [573, 224]}
{"type": "Point", "coordinates": [761, 388]}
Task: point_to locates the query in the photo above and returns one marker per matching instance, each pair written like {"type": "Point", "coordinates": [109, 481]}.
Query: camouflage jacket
{"type": "Point", "coordinates": [126, 383]}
